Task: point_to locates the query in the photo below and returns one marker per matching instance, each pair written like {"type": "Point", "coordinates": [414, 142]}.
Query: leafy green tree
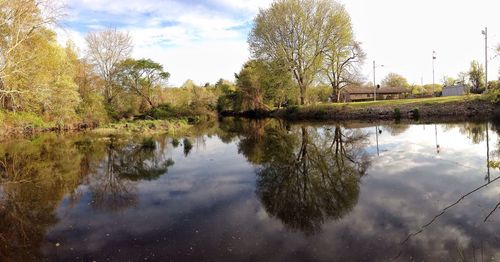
{"type": "Point", "coordinates": [296, 33]}
{"type": "Point", "coordinates": [395, 80]}
{"type": "Point", "coordinates": [44, 83]}
{"type": "Point", "coordinates": [476, 76]}
{"type": "Point", "coordinates": [91, 109]}
{"type": "Point", "coordinates": [262, 85]}
{"type": "Point", "coordinates": [250, 85]}
{"type": "Point", "coordinates": [142, 77]}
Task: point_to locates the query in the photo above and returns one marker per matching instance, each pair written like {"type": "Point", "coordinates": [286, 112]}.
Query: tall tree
{"type": "Point", "coordinates": [296, 32]}
{"type": "Point", "coordinates": [249, 82]}
{"type": "Point", "coordinates": [262, 84]}
{"type": "Point", "coordinates": [344, 56]}
{"type": "Point", "coordinates": [142, 77]}
{"type": "Point", "coordinates": [476, 75]}
{"type": "Point", "coordinates": [105, 50]}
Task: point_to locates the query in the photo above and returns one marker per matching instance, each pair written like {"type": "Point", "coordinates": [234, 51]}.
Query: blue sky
{"type": "Point", "coordinates": [206, 40]}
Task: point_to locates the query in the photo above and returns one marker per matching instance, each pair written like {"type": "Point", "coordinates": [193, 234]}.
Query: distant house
{"type": "Point", "coordinates": [357, 93]}
{"type": "Point", "coordinates": [455, 90]}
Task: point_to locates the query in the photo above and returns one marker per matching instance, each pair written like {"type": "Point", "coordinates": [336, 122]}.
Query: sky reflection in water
{"type": "Point", "coordinates": [254, 190]}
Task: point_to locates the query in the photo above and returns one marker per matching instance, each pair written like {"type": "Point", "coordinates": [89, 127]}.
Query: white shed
{"type": "Point", "coordinates": [456, 90]}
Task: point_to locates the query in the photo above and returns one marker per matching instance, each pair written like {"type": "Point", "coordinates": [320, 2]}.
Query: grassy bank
{"type": "Point", "coordinates": [458, 106]}
{"type": "Point", "coordinates": [23, 123]}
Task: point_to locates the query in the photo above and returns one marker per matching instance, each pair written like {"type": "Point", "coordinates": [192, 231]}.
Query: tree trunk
{"type": "Point", "coordinates": [302, 94]}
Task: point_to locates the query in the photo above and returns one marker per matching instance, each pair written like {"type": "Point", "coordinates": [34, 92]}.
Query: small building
{"type": "Point", "coordinates": [357, 93]}
{"type": "Point", "coordinates": [455, 90]}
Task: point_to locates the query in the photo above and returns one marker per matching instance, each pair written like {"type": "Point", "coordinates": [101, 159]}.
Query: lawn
{"type": "Point", "coordinates": [401, 102]}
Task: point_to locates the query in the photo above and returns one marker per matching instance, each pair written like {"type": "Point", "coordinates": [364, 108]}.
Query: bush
{"type": "Point", "coordinates": [397, 113]}
{"type": "Point", "coordinates": [493, 96]}
{"type": "Point", "coordinates": [161, 112]}
{"type": "Point", "coordinates": [415, 113]}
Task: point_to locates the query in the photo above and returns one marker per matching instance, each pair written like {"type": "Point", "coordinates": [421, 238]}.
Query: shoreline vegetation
{"type": "Point", "coordinates": [424, 110]}
{"type": "Point", "coordinates": [48, 87]}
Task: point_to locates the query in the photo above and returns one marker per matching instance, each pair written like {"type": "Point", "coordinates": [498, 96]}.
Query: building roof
{"type": "Point", "coordinates": [381, 90]}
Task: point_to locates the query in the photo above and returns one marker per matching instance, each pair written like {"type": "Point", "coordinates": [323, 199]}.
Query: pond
{"type": "Point", "coordinates": [265, 190]}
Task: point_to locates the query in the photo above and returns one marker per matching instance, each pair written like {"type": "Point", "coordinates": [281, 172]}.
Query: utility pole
{"type": "Point", "coordinates": [433, 79]}
{"type": "Point", "coordinates": [485, 33]}
{"type": "Point", "coordinates": [374, 84]}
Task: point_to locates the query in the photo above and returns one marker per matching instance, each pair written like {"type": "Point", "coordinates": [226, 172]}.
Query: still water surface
{"type": "Point", "coordinates": [255, 191]}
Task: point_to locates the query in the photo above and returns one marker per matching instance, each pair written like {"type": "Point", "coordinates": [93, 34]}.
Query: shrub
{"type": "Point", "coordinates": [397, 113]}
{"type": "Point", "coordinates": [415, 113]}
{"type": "Point", "coordinates": [493, 96]}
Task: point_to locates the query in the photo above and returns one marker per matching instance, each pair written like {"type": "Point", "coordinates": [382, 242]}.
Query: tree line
{"type": "Point", "coordinates": [40, 78]}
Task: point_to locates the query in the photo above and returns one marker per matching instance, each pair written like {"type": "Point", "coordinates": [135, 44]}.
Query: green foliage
{"type": "Point", "coordinates": [143, 78]}
{"type": "Point", "coordinates": [395, 80]}
{"type": "Point", "coordinates": [493, 95]}
{"type": "Point", "coordinates": [494, 164]}
{"type": "Point", "coordinates": [23, 120]}
{"type": "Point", "coordinates": [397, 113]}
{"type": "Point", "coordinates": [476, 77]}
{"type": "Point", "coordinates": [298, 34]}
{"type": "Point", "coordinates": [92, 109]}
{"type": "Point", "coordinates": [415, 113]}
{"type": "Point", "coordinates": [163, 111]}
{"type": "Point", "coordinates": [318, 94]}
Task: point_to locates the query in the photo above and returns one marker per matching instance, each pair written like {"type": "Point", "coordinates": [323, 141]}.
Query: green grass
{"type": "Point", "coordinates": [402, 102]}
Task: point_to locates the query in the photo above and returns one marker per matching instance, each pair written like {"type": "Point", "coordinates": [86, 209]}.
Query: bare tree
{"type": "Point", "coordinates": [105, 50]}
{"type": "Point", "coordinates": [343, 55]}
{"type": "Point", "coordinates": [342, 64]}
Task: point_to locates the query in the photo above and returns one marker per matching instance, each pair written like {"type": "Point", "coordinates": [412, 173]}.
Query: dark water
{"type": "Point", "coordinates": [255, 191]}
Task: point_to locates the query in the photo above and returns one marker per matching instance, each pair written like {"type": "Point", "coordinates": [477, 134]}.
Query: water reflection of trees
{"type": "Point", "coordinates": [307, 175]}
{"type": "Point", "coordinates": [36, 175]}
{"type": "Point", "coordinates": [112, 184]}
{"type": "Point", "coordinates": [476, 132]}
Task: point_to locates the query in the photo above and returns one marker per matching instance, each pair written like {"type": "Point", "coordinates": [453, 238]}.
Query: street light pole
{"type": "Point", "coordinates": [374, 84]}
{"type": "Point", "coordinates": [485, 33]}
{"type": "Point", "coordinates": [433, 78]}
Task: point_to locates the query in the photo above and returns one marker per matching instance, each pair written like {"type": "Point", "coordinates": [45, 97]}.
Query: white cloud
{"type": "Point", "coordinates": [206, 40]}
